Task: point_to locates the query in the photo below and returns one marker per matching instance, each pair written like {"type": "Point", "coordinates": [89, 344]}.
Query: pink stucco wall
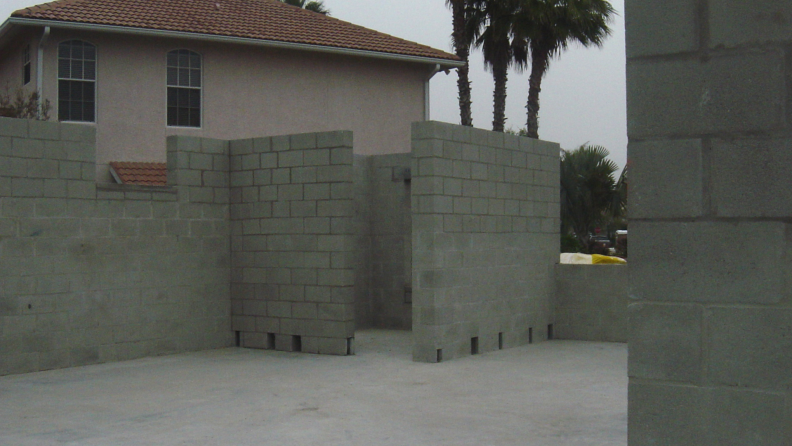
{"type": "Point", "coordinates": [248, 91]}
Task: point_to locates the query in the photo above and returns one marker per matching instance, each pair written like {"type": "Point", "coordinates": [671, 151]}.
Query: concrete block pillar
{"type": "Point", "coordinates": [710, 204]}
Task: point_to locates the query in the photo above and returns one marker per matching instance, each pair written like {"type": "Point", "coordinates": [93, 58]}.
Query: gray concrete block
{"type": "Point", "coordinates": [749, 347]}
{"type": "Point", "coordinates": [664, 413]}
{"type": "Point", "coordinates": [665, 342]}
{"type": "Point", "coordinates": [736, 24]}
{"type": "Point", "coordinates": [737, 416]}
{"type": "Point", "coordinates": [748, 179]}
{"type": "Point", "coordinates": [341, 138]}
{"type": "Point", "coordinates": [14, 127]}
{"type": "Point", "coordinates": [707, 262]}
{"type": "Point", "coordinates": [659, 29]}
{"type": "Point", "coordinates": [666, 179]}
{"type": "Point", "coordinates": [728, 94]}
{"type": "Point", "coordinates": [240, 147]}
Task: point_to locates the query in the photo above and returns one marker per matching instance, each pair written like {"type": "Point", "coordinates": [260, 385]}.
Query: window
{"type": "Point", "coordinates": [184, 89]}
{"type": "Point", "coordinates": [26, 65]}
{"type": "Point", "coordinates": [76, 81]}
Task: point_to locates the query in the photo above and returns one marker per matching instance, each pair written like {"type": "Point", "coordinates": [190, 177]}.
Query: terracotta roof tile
{"type": "Point", "coordinates": [142, 174]}
{"type": "Point", "coordinates": [255, 19]}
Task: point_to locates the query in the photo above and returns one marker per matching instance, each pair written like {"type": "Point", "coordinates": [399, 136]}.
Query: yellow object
{"type": "Point", "coordinates": [600, 259]}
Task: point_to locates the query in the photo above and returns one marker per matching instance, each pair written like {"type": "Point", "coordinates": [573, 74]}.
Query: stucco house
{"type": "Point", "coordinates": [141, 70]}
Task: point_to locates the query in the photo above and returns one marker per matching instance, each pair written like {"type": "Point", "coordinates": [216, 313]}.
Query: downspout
{"type": "Point", "coordinates": [40, 67]}
{"type": "Point", "coordinates": [435, 70]}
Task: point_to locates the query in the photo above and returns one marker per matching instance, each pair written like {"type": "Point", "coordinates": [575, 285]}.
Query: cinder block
{"type": "Point", "coordinates": [735, 24]}
{"type": "Point", "coordinates": [240, 147]}
{"type": "Point", "coordinates": [727, 94]}
{"type": "Point", "coordinates": [261, 145]}
{"type": "Point", "coordinates": [664, 413]}
{"type": "Point", "coordinates": [291, 158]}
{"type": "Point", "coordinates": [748, 178]}
{"type": "Point", "coordinates": [749, 347]}
{"type": "Point", "coordinates": [333, 346]}
{"type": "Point", "coordinates": [658, 29]}
{"type": "Point", "coordinates": [666, 179]}
{"type": "Point", "coordinates": [665, 342]}
{"type": "Point", "coordinates": [740, 416]}
{"type": "Point", "coordinates": [14, 127]}
{"type": "Point", "coordinates": [342, 138]}
{"type": "Point", "coordinates": [319, 157]}
{"type": "Point", "coordinates": [433, 129]}
{"type": "Point", "coordinates": [707, 262]}
{"type": "Point", "coordinates": [303, 141]}
{"type": "Point", "coordinates": [341, 155]}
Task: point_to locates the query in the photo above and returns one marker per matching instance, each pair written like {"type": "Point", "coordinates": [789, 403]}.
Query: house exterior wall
{"type": "Point", "coordinates": [709, 100]}
{"type": "Point", "coordinates": [93, 274]}
{"type": "Point", "coordinates": [485, 234]}
{"type": "Point", "coordinates": [591, 303]}
{"type": "Point", "coordinates": [248, 91]}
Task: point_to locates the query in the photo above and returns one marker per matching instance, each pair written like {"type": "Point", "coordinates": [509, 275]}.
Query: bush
{"type": "Point", "coordinates": [24, 105]}
{"type": "Point", "coordinates": [570, 243]}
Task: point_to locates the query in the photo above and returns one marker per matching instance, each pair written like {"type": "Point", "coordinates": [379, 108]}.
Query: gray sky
{"type": "Point", "coordinates": [583, 95]}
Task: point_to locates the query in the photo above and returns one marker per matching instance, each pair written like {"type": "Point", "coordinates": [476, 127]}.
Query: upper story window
{"type": "Point", "coordinates": [184, 89]}
{"type": "Point", "coordinates": [26, 65]}
{"type": "Point", "coordinates": [76, 81]}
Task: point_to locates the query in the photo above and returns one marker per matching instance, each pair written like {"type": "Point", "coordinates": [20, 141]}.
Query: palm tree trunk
{"type": "Point", "coordinates": [538, 67]}
{"type": "Point", "coordinates": [500, 74]}
{"type": "Point", "coordinates": [462, 49]}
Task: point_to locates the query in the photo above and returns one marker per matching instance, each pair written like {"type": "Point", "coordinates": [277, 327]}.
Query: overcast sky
{"type": "Point", "coordinates": [583, 95]}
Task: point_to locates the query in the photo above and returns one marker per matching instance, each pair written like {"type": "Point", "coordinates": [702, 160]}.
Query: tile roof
{"type": "Point", "coordinates": [268, 20]}
{"type": "Point", "coordinates": [142, 174]}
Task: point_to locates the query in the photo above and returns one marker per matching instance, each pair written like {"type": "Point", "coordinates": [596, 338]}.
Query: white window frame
{"type": "Point", "coordinates": [70, 78]}
{"type": "Point", "coordinates": [27, 66]}
{"type": "Point", "coordinates": [169, 84]}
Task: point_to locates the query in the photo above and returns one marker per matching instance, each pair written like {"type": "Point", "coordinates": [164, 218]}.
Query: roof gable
{"type": "Point", "coordinates": [266, 20]}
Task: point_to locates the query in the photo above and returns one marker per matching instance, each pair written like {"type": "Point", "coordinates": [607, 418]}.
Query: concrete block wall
{"type": "Point", "coordinates": [391, 241]}
{"type": "Point", "coordinates": [710, 135]}
{"type": "Point", "coordinates": [485, 231]}
{"type": "Point", "coordinates": [292, 241]}
{"type": "Point", "coordinates": [591, 303]}
{"type": "Point", "coordinates": [91, 274]}
{"type": "Point", "coordinates": [364, 317]}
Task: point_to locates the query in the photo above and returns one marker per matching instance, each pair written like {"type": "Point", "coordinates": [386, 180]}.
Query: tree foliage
{"type": "Point", "coordinates": [490, 28]}
{"type": "Point", "coordinates": [523, 34]}
{"type": "Point", "coordinates": [459, 38]}
{"type": "Point", "coordinates": [23, 104]}
{"type": "Point", "coordinates": [589, 193]}
{"type": "Point", "coordinates": [310, 5]}
{"type": "Point", "coordinates": [547, 27]}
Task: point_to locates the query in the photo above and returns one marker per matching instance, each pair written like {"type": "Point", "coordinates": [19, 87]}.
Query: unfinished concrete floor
{"type": "Point", "coordinates": [552, 393]}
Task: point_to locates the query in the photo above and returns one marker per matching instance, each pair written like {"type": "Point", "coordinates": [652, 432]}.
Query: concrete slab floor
{"type": "Point", "coordinates": [552, 393]}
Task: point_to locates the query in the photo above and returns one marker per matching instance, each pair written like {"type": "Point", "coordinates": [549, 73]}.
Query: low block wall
{"type": "Point", "coordinates": [92, 274]}
{"type": "Point", "coordinates": [591, 303]}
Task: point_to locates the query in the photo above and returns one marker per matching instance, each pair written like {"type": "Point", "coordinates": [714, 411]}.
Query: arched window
{"type": "Point", "coordinates": [184, 89]}
{"type": "Point", "coordinates": [76, 81]}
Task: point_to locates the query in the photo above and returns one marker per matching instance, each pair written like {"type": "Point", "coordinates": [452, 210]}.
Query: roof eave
{"type": "Point", "coordinates": [444, 63]}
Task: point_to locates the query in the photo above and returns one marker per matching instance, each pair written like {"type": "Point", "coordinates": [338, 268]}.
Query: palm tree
{"type": "Point", "coordinates": [310, 5]}
{"type": "Point", "coordinates": [588, 191]}
{"type": "Point", "coordinates": [548, 27]}
{"type": "Point", "coordinates": [461, 41]}
{"type": "Point", "coordinates": [491, 29]}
